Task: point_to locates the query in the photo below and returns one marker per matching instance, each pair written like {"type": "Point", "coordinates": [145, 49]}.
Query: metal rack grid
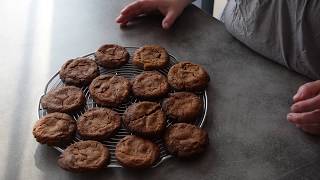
{"type": "Point", "coordinates": [129, 71]}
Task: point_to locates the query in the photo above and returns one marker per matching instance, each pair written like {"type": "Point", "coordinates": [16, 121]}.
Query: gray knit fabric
{"type": "Point", "coordinates": [285, 31]}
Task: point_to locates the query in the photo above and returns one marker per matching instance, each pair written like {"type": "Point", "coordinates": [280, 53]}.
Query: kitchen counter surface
{"type": "Point", "coordinates": [249, 95]}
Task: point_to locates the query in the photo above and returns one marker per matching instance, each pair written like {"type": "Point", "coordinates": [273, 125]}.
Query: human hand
{"type": "Point", "coordinates": [171, 9]}
{"type": "Point", "coordinates": [305, 112]}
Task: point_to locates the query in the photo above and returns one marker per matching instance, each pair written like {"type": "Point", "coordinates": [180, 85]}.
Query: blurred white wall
{"type": "Point", "coordinates": [218, 8]}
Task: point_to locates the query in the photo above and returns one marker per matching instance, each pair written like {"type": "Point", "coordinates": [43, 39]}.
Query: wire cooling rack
{"type": "Point", "coordinates": [129, 71]}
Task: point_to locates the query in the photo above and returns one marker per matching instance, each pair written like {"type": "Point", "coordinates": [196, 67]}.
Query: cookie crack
{"type": "Point", "coordinates": [151, 112]}
{"type": "Point", "coordinates": [141, 117]}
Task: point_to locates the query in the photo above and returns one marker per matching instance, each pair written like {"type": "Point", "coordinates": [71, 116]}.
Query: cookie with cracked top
{"type": "Point", "coordinates": [110, 90]}
{"type": "Point", "coordinates": [98, 123]}
{"type": "Point", "coordinates": [185, 140]}
{"type": "Point", "coordinates": [186, 76]}
{"type": "Point", "coordinates": [136, 152]}
{"type": "Point", "coordinates": [84, 156]}
{"type": "Point", "coordinates": [54, 128]}
{"type": "Point", "coordinates": [182, 106]}
{"type": "Point", "coordinates": [65, 99]}
{"type": "Point", "coordinates": [145, 118]}
{"type": "Point", "coordinates": [112, 56]}
{"type": "Point", "coordinates": [150, 85]}
{"type": "Point", "coordinates": [150, 57]}
{"type": "Point", "coordinates": [79, 72]}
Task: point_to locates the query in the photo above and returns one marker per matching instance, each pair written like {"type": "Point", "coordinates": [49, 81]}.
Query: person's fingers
{"type": "Point", "coordinates": [125, 18]}
{"type": "Point", "coordinates": [124, 24]}
{"type": "Point", "coordinates": [134, 6]}
{"type": "Point", "coordinates": [169, 19]}
{"type": "Point", "coordinates": [312, 117]}
{"type": "Point", "coordinates": [315, 130]}
{"type": "Point", "coordinates": [317, 125]}
{"type": "Point", "coordinates": [134, 9]}
{"type": "Point", "coordinates": [122, 19]}
{"type": "Point", "coordinates": [306, 105]}
{"type": "Point", "coordinates": [310, 125]}
{"type": "Point", "coordinates": [307, 90]}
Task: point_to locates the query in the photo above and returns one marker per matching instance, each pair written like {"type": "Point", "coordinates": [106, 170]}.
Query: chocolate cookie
{"type": "Point", "coordinates": [150, 57]}
{"type": "Point", "coordinates": [79, 72]}
{"type": "Point", "coordinates": [145, 118]}
{"type": "Point", "coordinates": [84, 156]}
{"type": "Point", "coordinates": [185, 140]}
{"type": "Point", "coordinates": [150, 85]}
{"type": "Point", "coordinates": [112, 56]}
{"type": "Point", "coordinates": [54, 128]}
{"type": "Point", "coordinates": [110, 90]}
{"type": "Point", "coordinates": [136, 152]}
{"type": "Point", "coordinates": [188, 76]}
{"type": "Point", "coordinates": [182, 106]}
{"type": "Point", "coordinates": [63, 99]}
{"type": "Point", "coordinates": [98, 123]}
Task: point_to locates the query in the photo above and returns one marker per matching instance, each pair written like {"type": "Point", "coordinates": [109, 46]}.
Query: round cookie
{"type": "Point", "coordinates": [84, 156]}
{"type": "Point", "coordinates": [188, 76]}
{"type": "Point", "coordinates": [112, 56]}
{"type": "Point", "coordinates": [182, 106]}
{"type": "Point", "coordinates": [54, 128]}
{"type": "Point", "coordinates": [150, 57]}
{"type": "Point", "coordinates": [79, 72]}
{"type": "Point", "coordinates": [110, 90]}
{"type": "Point", "coordinates": [145, 118]}
{"type": "Point", "coordinates": [185, 140]}
{"type": "Point", "coordinates": [136, 152]}
{"type": "Point", "coordinates": [150, 85]}
{"type": "Point", "coordinates": [98, 123]}
{"type": "Point", "coordinates": [63, 99]}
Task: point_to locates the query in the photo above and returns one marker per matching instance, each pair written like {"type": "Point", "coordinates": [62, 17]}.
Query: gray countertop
{"type": "Point", "coordinates": [249, 96]}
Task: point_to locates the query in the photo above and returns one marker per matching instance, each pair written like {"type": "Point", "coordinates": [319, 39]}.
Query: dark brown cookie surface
{"type": "Point", "coordinates": [84, 156]}
{"type": "Point", "coordinates": [54, 128]}
{"type": "Point", "coordinates": [79, 72]}
{"type": "Point", "coordinates": [185, 140]}
{"type": "Point", "coordinates": [112, 56]}
{"type": "Point", "coordinates": [150, 57]}
{"type": "Point", "coordinates": [182, 106]}
{"type": "Point", "coordinates": [98, 123]}
{"type": "Point", "coordinates": [110, 90]}
{"type": "Point", "coordinates": [188, 76]}
{"type": "Point", "coordinates": [145, 118]}
{"type": "Point", "coordinates": [150, 85]}
{"type": "Point", "coordinates": [63, 99]}
{"type": "Point", "coordinates": [136, 152]}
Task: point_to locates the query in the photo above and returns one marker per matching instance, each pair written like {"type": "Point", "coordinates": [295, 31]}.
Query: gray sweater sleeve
{"type": "Point", "coordinates": [287, 32]}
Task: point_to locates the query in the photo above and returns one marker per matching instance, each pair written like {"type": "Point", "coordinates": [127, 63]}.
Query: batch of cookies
{"type": "Point", "coordinates": [145, 119]}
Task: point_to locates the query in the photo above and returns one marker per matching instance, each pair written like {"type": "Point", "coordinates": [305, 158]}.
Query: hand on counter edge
{"type": "Point", "coordinates": [305, 111]}
{"type": "Point", "coordinates": [171, 9]}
